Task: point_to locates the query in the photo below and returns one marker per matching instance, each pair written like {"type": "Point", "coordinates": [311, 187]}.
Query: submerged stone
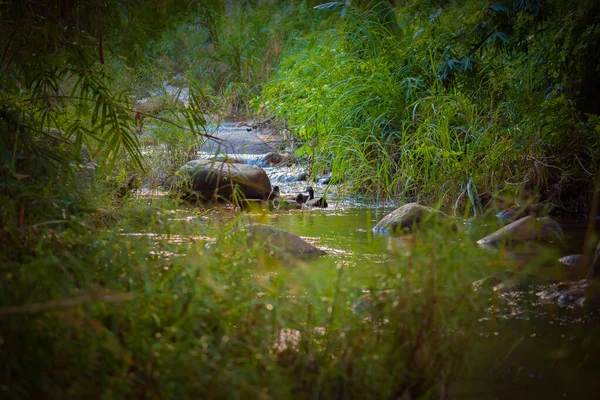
{"type": "Point", "coordinates": [276, 160]}
{"type": "Point", "coordinates": [515, 211]}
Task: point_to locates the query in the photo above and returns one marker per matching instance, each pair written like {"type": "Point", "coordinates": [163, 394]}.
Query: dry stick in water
{"type": "Point", "coordinates": [69, 302]}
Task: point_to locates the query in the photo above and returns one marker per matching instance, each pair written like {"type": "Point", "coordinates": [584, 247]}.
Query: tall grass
{"type": "Point", "coordinates": [448, 102]}
{"type": "Point", "coordinates": [191, 316]}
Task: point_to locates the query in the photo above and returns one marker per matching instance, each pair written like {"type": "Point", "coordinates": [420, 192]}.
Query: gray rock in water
{"type": "Point", "coordinates": [229, 159]}
{"type": "Point", "coordinates": [281, 244]}
{"type": "Point", "coordinates": [366, 302]}
{"type": "Point", "coordinates": [325, 179]}
{"type": "Point", "coordinates": [276, 160]}
{"type": "Point", "coordinates": [406, 217]}
{"type": "Point", "coordinates": [220, 180]}
{"type": "Point", "coordinates": [236, 140]}
{"type": "Point", "coordinates": [577, 261]}
{"type": "Point", "coordinates": [528, 228]}
{"type": "Point", "coordinates": [288, 175]}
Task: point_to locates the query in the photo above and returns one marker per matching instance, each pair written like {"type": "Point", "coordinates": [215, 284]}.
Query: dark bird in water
{"type": "Point", "coordinates": [312, 201]}
{"type": "Point", "coordinates": [275, 194]}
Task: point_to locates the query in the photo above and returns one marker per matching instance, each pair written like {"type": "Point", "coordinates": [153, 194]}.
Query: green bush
{"type": "Point", "coordinates": [463, 94]}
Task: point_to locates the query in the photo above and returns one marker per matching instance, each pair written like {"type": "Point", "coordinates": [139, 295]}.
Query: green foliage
{"type": "Point", "coordinates": [65, 118]}
{"type": "Point", "coordinates": [106, 295]}
{"type": "Point", "coordinates": [236, 53]}
{"type": "Point", "coordinates": [467, 95]}
{"type": "Point", "coordinates": [193, 316]}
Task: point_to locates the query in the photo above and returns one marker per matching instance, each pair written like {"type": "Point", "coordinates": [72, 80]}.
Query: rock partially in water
{"type": "Point", "coordinates": [277, 160]}
{"type": "Point", "coordinates": [527, 228]}
{"type": "Point", "coordinates": [576, 261]}
{"type": "Point", "coordinates": [236, 140]}
{"type": "Point", "coordinates": [406, 217]}
{"type": "Point", "coordinates": [301, 177]}
{"type": "Point", "coordinates": [281, 244]}
{"type": "Point", "coordinates": [227, 158]}
{"type": "Point", "coordinates": [583, 293]}
{"type": "Point", "coordinates": [288, 175]}
{"type": "Point", "coordinates": [325, 179]}
{"type": "Point", "coordinates": [217, 180]}
{"type": "Point", "coordinates": [491, 282]}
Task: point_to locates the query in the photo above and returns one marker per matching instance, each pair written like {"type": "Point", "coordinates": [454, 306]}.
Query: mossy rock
{"type": "Point", "coordinates": [407, 217]}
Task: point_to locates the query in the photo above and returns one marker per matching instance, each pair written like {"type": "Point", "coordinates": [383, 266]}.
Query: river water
{"type": "Point", "coordinates": [525, 350]}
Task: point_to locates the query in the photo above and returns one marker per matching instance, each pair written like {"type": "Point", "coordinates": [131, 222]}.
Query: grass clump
{"type": "Point", "coordinates": [173, 307]}
{"type": "Point", "coordinates": [455, 95]}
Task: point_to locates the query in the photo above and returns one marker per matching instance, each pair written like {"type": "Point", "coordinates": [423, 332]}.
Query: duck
{"type": "Point", "coordinates": [312, 202]}
{"type": "Point", "coordinates": [275, 194]}
{"type": "Point", "coordinates": [285, 201]}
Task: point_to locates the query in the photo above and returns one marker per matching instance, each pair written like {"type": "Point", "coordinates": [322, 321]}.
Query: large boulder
{"type": "Point", "coordinates": [220, 180]}
{"type": "Point", "coordinates": [524, 229]}
{"type": "Point", "coordinates": [279, 243]}
{"type": "Point", "coordinates": [405, 217]}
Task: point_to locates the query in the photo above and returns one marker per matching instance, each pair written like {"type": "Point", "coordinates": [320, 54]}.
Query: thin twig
{"type": "Point", "coordinates": [69, 302]}
{"type": "Point", "coordinates": [544, 164]}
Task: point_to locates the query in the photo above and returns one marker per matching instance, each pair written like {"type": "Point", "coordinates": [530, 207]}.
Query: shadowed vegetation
{"type": "Point", "coordinates": [109, 293]}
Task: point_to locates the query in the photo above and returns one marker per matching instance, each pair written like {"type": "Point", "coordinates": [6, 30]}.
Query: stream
{"type": "Point", "coordinates": [526, 350]}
